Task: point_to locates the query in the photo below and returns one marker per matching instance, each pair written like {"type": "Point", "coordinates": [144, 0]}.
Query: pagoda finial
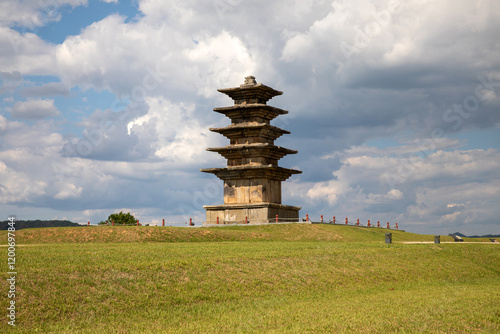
{"type": "Point", "coordinates": [249, 81]}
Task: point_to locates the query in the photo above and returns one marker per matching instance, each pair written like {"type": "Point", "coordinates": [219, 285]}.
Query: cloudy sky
{"type": "Point", "coordinates": [394, 106]}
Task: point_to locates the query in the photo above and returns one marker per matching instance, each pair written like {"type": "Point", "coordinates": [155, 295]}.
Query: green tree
{"type": "Point", "coordinates": [120, 219]}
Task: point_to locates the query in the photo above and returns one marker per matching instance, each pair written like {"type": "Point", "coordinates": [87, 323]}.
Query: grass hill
{"type": "Point", "coordinates": [296, 278]}
{"type": "Point", "coordinates": [272, 232]}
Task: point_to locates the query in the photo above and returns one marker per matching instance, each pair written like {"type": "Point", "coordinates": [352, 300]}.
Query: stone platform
{"type": "Point", "coordinates": [256, 213]}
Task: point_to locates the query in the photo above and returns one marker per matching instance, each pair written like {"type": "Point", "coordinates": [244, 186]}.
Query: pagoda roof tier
{"type": "Point", "coordinates": [268, 172]}
{"type": "Point", "coordinates": [256, 150]}
{"type": "Point", "coordinates": [242, 130]}
{"type": "Point", "coordinates": [251, 110]}
{"type": "Point", "coordinates": [251, 93]}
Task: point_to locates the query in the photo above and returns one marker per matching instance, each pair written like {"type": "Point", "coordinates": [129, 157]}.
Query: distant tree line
{"type": "Point", "coordinates": [21, 224]}
{"type": "Point", "coordinates": [116, 218]}
{"type": "Point", "coordinates": [477, 236]}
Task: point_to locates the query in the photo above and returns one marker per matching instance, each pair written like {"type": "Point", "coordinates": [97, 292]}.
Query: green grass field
{"type": "Point", "coordinates": [295, 278]}
{"type": "Point", "coordinates": [272, 232]}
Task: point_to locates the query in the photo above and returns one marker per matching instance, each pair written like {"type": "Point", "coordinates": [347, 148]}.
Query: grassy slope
{"type": "Point", "coordinates": [287, 283]}
{"type": "Point", "coordinates": [288, 232]}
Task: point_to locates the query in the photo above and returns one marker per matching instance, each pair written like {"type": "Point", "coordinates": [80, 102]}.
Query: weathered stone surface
{"type": "Point", "coordinates": [251, 113]}
{"type": "Point", "coordinates": [250, 92]}
{"type": "Point", "coordinates": [249, 133]}
{"type": "Point", "coordinates": [245, 191]}
{"type": "Point", "coordinates": [252, 172]}
{"type": "Point", "coordinates": [252, 178]}
{"type": "Point", "coordinates": [252, 154]}
{"type": "Point", "coordinates": [254, 213]}
{"type": "Point", "coordinates": [249, 81]}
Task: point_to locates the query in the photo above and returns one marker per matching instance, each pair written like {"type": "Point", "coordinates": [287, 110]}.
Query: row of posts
{"type": "Point", "coordinates": [163, 222]}
{"type": "Point", "coordinates": [357, 222]}
{"type": "Point", "coordinates": [277, 220]}
{"type": "Point", "coordinates": [388, 238]}
{"type": "Point", "coordinates": [246, 219]}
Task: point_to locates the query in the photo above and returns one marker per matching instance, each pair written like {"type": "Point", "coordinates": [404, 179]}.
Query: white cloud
{"type": "Point", "coordinates": [69, 190]}
{"type": "Point", "coordinates": [428, 188]}
{"type": "Point", "coordinates": [406, 70]}
{"type": "Point", "coordinates": [479, 206]}
{"type": "Point", "coordinates": [330, 190]}
{"type": "Point", "coordinates": [34, 109]}
{"type": "Point", "coordinates": [217, 60]}
{"type": "Point", "coordinates": [176, 135]}
{"type": "Point", "coordinates": [393, 194]}
{"type": "Point", "coordinates": [25, 53]}
{"type": "Point", "coordinates": [34, 13]}
{"type": "Point", "coordinates": [3, 124]}
{"type": "Point", "coordinates": [16, 186]}
{"type": "Point", "coordinates": [394, 33]}
{"type": "Point", "coordinates": [14, 76]}
{"type": "Point", "coordinates": [48, 89]}
{"type": "Point", "coordinates": [157, 57]}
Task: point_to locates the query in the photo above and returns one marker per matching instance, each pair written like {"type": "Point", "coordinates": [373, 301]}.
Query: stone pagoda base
{"type": "Point", "coordinates": [257, 213]}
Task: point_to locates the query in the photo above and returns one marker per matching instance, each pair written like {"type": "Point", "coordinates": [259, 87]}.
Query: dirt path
{"type": "Point", "coordinates": [447, 242]}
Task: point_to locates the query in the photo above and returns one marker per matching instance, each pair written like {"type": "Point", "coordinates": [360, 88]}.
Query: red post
{"type": "Point", "coordinates": [321, 218]}
{"type": "Point", "coordinates": [217, 220]}
{"type": "Point", "coordinates": [137, 222]}
{"type": "Point", "coordinates": [307, 217]}
{"type": "Point", "coordinates": [387, 224]}
{"type": "Point", "coordinates": [88, 224]}
{"type": "Point", "coordinates": [369, 223]}
{"type": "Point", "coordinates": [378, 223]}
{"type": "Point", "coordinates": [163, 222]}
{"type": "Point", "coordinates": [113, 222]}
{"type": "Point", "coordinates": [397, 228]}
{"type": "Point", "coordinates": [346, 220]}
{"type": "Point", "coordinates": [334, 219]}
{"type": "Point", "coordinates": [276, 218]}
{"type": "Point", "coordinates": [190, 221]}
{"type": "Point", "coordinates": [246, 220]}
{"type": "Point", "coordinates": [357, 222]}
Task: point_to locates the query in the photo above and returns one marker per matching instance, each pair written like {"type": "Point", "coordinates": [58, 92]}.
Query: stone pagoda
{"type": "Point", "coordinates": [252, 178]}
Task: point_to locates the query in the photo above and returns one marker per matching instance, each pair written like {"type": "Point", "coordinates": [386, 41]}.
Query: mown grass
{"type": "Point", "coordinates": [272, 232]}
{"type": "Point", "coordinates": [273, 286]}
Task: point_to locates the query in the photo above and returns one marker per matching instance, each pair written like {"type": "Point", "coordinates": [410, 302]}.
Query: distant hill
{"type": "Point", "coordinates": [22, 224]}
{"type": "Point", "coordinates": [477, 236]}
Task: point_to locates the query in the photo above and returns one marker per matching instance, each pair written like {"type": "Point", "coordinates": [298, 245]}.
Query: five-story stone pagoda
{"type": "Point", "coordinates": [252, 178]}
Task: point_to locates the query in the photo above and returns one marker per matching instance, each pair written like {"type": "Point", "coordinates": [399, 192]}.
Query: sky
{"type": "Point", "coordinates": [394, 107]}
